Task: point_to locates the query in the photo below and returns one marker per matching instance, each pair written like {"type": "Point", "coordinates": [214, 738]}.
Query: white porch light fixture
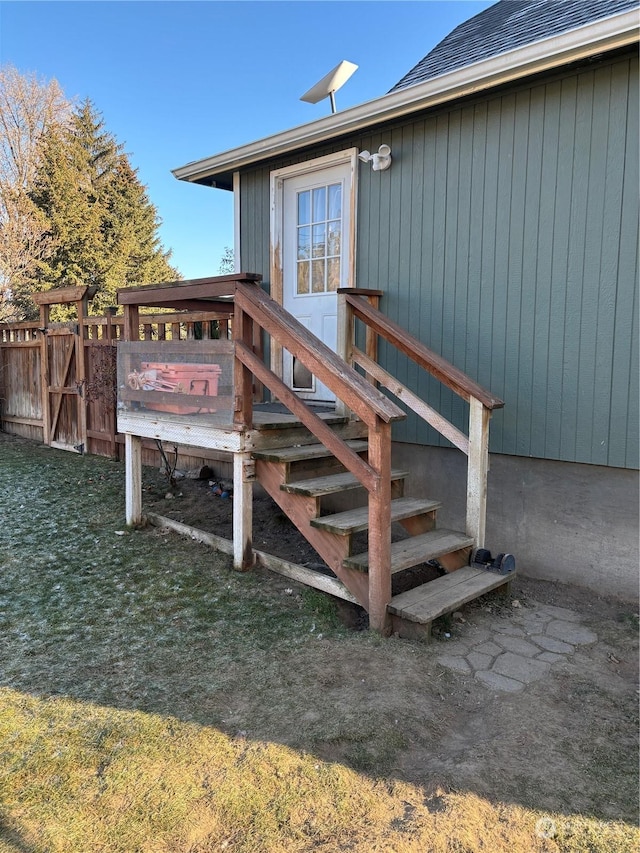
{"type": "Point", "coordinates": [380, 161]}
{"type": "Point", "coordinates": [330, 84]}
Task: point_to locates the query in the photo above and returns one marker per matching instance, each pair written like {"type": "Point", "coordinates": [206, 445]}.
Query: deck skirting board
{"type": "Point", "coordinates": [301, 574]}
{"type": "Point", "coordinates": [217, 542]}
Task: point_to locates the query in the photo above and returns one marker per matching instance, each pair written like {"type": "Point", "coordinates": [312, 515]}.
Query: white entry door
{"type": "Point", "coordinates": [317, 255]}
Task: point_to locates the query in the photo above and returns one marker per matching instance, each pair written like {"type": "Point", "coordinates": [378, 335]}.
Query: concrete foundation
{"type": "Point", "coordinates": [563, 521]}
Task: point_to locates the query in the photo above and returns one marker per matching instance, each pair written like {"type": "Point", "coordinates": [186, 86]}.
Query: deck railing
{"type": "Point", "coordinates": [362, 305]}
{"type": "Point", "coordinates": [174, 326]}
{"type": "Point", "coordinates": [23, 355]}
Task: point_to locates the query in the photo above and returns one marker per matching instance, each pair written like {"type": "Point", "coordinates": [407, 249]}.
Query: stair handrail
{"type": "Point", "coordinates": [435, 364]}
{"type": "Point", "coordinates": [355, 303]}
{"type": "Point", "coordinates": [321, 360]}
{"type": "Point", "coordinates": [375, 409]}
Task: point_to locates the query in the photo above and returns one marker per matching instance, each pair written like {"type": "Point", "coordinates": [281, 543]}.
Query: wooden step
{"type": "Point", "coordinates": [417, 549]}
{"type": "Point", "coordinates": [355, 520]}
{"type": "Point", "coordinates": [271, 417]}
{"type": "Point", "coordinates": [443, 595]}
{"type": "Point", "coordinates": [318, 486]}
{"type": "Point", "coordinates": [305, 451]}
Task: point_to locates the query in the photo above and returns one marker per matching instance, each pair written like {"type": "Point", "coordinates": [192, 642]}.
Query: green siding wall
{"type": "Point", "coordinates": [505, 237]}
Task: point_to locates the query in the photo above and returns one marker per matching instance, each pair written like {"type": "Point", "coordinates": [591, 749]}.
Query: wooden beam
{"type": "Point", "coordinates": [217, 542]}
{"type": "Point", "coordinates": [61, 295]}
{"type": "Point", "coordinates": [34, 344]}
{"type": "Point", "coordinates": [44, 376]}
{"type": "Point", "coordinates": [360, 291]}
{"type": "Point", "coordinates": [478, 468]}
{"type": "Point", "coordinates": [380, 530]}
{"type": "Point", "coordinates": [428, 414]}
{"type": "Point", "coordinates": [314, 424]}
{"type": "Point", "coordinates": [131, 323]}
{"type": "Point", "coordinates": [133, 478]}
{"type": "Point", "coordinates": [242, 379]}
{"type": "Point", "coordinates": [305, 576]}
{"type": "Point", "coordinates": [14, 419]}
{"type": "Point", "coordinates": [243, 477]}
{"type": "Point", "coordinates": [437, 366]}
{"type": "Point", "coordinates": [367, 402]}
{"type": "Point", "coordinates": [301, 574]}
{"type": "Point", "coordinates": [81, 370]}
{"type": "Point", "coordinates": [178, 291]}
{"type": "Point", "coordinates": [209, 308]}
{"type": "Point", "coordinates": [344, 347]}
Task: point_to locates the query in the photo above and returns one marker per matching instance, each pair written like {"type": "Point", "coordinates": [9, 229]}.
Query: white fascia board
{"type": "Point", "coordinates": [603, 35]}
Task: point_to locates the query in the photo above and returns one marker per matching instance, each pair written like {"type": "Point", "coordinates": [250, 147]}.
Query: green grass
{"type": "Point", "coordinates": [151, 699]}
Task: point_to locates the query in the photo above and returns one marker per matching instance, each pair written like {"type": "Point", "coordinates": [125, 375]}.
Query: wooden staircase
{"type": "Point", "coordinates": [300, 478]}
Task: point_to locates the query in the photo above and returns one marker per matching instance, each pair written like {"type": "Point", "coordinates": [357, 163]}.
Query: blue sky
{"type": "Point", "coordinates": [180, 81]}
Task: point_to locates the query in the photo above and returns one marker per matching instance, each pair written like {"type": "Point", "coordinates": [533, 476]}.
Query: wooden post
{"type": "Point", "coordinates": [81, 373]}
{"type": "Point", "coordinates": [111, 414]}
{"type": "Point", "coordinates": [131, 323]}
{"type": "Point", "coordinates": [243, 476]}
{"type": "Point", "coordinates": [258, 348]}
{"type": "Point", "coordinates": [371, 339]}
{"type": "Point", "coordinates": [478, 467]}
{"type": "Point", "coordinates": [242, 377]}
{"type": "Point", "coordinates": [110, 313]}
{"type": "Point", "coordinates": [44, 374]}
{"type": "Point", "coordinates": [345, 343]}
{"type": "Point", "coordinates": [133, 478]}
{"type": "Point", "coordinates": [380, 529]}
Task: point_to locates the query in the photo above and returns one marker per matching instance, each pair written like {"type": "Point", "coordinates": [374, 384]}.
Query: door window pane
{"type": "Point", "coordinates": [319, 245]}
{"type": "Point", "coordinates": [320, 204]}
{"type": "Point", "coordinates": [302, 285]}
{"type": "Point", "coordinates": [333, 274]}
{"type": "Point", "coordinates": [304, 207]}
{"type": "Point", "coordinates": [317, 276]}
{"type": "Point", "coordinates": [335, 202]}
{"type": "Point", "coordinates": [333, 242]}
{"type": "Point", "coordinates": [304, 243]}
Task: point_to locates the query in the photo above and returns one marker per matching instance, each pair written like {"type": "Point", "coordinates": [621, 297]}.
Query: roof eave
{"type": "Point", "coordinates": [600, 36]}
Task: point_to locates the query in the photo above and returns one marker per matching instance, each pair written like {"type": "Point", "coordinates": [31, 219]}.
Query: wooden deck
{"type": "Point", "coordinates": [272, 427]}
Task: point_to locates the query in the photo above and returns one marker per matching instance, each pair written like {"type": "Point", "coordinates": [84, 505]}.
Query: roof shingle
{"type": "Point", "coordinates": [505, 26]}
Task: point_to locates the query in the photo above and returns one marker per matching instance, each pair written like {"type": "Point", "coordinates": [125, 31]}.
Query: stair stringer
{"type": "Point", "coordinates": [300, 510]}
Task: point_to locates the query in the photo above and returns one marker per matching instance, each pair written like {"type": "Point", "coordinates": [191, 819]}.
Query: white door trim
{"type": "Point", "coordinates": [278, 176]}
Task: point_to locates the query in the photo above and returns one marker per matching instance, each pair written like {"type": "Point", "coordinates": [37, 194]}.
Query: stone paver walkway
{"type": "Point", "coordinates": [514, 652]}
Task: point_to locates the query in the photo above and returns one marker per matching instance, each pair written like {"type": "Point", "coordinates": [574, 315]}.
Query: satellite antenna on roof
{"type": "Point", "coordinates": [329, 84]}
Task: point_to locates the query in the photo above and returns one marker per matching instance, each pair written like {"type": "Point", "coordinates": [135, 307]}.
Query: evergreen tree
{"type": "Point", "coordinates": [28, 108]}
{"type": "Point", "coordinates": [102, 227]}
{"type": "Point", "coordinates": [227, 262]}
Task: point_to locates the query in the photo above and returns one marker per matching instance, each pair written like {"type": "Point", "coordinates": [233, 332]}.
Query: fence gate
{"type": "Point", "coordinates": [63, 370]}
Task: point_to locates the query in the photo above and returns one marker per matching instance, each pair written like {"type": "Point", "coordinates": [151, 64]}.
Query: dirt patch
{"type": "Point", "coordinates": [197, 503]}
{"type": "Point", "coordinates": [194, 501]}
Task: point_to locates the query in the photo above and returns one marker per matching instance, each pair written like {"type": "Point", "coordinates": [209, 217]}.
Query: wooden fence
{"type": "Point", "coordinates": [40, 384]}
